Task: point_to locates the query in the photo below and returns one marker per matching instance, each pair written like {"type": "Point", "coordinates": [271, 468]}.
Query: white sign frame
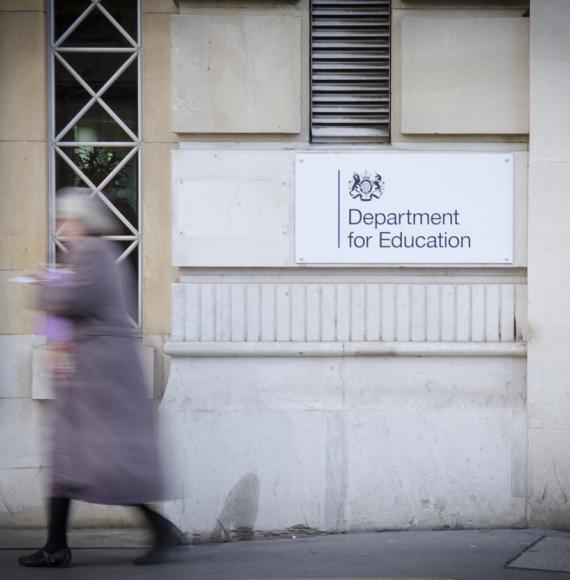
{"type": "Point", "coordinates": [404, 208]}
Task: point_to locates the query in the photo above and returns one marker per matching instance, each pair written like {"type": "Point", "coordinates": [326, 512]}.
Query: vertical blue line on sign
{"type": "Point", "coordinates": [338, 213]}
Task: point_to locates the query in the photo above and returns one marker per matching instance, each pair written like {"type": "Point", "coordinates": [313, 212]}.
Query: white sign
{"type": "Point", "coordinates": [404, 208]}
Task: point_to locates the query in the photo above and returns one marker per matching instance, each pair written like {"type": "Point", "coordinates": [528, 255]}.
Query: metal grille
{"type": "Point", "coordinates": [350, 71]}
{"type": "Point", "coordinates": [94, 121]}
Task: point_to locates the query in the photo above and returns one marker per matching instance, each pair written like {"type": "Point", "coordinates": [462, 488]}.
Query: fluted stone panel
{"type": "Point", "coordinates": [479, 313]}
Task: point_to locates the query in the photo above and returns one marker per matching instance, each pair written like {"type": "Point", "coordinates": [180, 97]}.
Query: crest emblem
{"type": "Point", "coordinates": [366, 186]}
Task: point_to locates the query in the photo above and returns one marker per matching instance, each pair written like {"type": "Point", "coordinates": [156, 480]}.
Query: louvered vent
{"type": "Point", "coordinates": [350, 70]}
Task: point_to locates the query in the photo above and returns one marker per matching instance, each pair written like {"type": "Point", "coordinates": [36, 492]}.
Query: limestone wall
{"type": "Point", "coordinates": [355, 397]}
{"type": "Point", "coordinates": [549, 171]}
{"type": "Point", "coordinates": [23, 226]}
{"type": "Point", "coordinates": [23, 246]}
{"type": "Point", "coordinates": [274, 418]}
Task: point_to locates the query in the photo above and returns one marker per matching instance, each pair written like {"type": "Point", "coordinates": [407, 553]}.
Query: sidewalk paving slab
{"type": "Point", "coordinates": [548, 553]}
{"type": "Point", "coordinates": [406, 555]}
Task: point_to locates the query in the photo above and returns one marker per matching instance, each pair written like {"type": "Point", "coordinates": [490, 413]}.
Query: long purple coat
{"type": "Point", "coordinates": [104, 436]}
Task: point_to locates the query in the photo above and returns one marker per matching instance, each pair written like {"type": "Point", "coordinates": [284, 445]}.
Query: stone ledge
{"type": "Point", "coordinates": [335, 349]}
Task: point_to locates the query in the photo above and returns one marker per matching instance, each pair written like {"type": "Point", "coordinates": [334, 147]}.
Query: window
{"type": "Point", "coordinates": [94, 123]}
{"type": "Point", "coordinates": [350, 71]}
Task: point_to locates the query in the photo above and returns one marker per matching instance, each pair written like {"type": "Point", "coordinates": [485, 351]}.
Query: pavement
{"type": "Point", "coordinates": [405, 555]}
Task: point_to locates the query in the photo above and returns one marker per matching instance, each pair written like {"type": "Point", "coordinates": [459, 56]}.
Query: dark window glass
{"type": "Point", "coordinates": [122, 95]}
{"type": "Point", "coordinates": [97, 125]}
{"type": "Point", "coordinates": [96, 30]}
{"type": "Point", "coordinates": [96, 68]}
{"type": "Point", "coordinates": [70, 97]}
{"type": "Point", "coordinates": [122, 192]}
{"type": "Point", "coordinates": [66, 13]}
{"type": "Point", "coordinates": [119, 197]}
{"type": "Point", "coordinates": [125, 13]}
{"type": "Point", "coordinates": [95, 163]}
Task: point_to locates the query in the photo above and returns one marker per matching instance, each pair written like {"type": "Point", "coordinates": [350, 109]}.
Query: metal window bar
{"type": "Point", "coordinates": [74, 25]}
{"type": "Point", "coordinates": [79, 49]}
{"type": "Point", "coordinates": [117, 25]}
{"type": "Point", "coordinates": [96, 190]}
{"type": "Point", "coordinates": [96, 97]}
{"type": "Point", "coordinates": [56, 54]}
{"type": "Point", "coordinates": [350, 71]}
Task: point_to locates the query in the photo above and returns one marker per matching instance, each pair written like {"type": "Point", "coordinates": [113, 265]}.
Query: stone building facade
{"type": "Point", "coordinates": [335, 396]}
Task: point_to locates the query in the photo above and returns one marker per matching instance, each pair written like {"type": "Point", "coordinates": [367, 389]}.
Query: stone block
{"type": "Point", "coordinates": [238, 73]}
{"type": "Point", "coordinates": [157, 6]}
{"type": "Point", "coordinates": [549, 338]}
{"type": "Point", "coordinates": [41, 381]}
{"type": "Point", "coordinates": [439, 442]}
{"type": "Point", "coordinates": [23, 432]}
{"type": "Point", "coordinates": [16, 364]}
{"type": "Point", "coordinates": [296, 384]}
{"type": "Point", "coordinates": [391, 442]}
{"type": "Point", "coordinates": [23, 498]}
{"type": "Point", "coordinates": [464, 75]}
{"type": "Point", "coordinates": [548, 248]}
{"type": "Point", "coordinates": [22, 5]}
{"type": "Point", "coordinates": [16, 305]}
{"type": "Point", "coordinates": [24, 506]}
{"type": "Point", "coordinates": [434, 382]}
{"type": "Point", "coordinates": [549, 463]}
{"type": "Point", "coordinates": [506, 6]}
{"type": "Point", "coordinates": [257, 443]}
{"type": "Point", "coordinates": [156, 79]}
{"type": "Point", "coordinates": [232, 208]}
{"type": "Point", "coordinates": [23, 205]}
{"type": "Point", "coordinates": [153, 351]}
{"type": "Point", "coordinates": [430, 467]}
{"type": "Point", "coordinates": [147, 355]}
{"type": "Point", "coordinates": [23, 65]}
{"type": "Point", "coordinates": [258, 471]}
{"type": "Point", "coordinates": [550, 81]}
{"type": "Point", "coordinates": [548, 393]}
{"type": "Point", "coordinates": [157, 273]}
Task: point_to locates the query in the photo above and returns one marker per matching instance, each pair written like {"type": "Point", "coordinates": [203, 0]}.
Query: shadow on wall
{"type": "Point", "coordinates": [239, 514]}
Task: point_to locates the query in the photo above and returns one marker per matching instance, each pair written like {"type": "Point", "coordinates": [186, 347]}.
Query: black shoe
{"type": "Point", "coordinates": [171, 536]}
{"type": "Point", "coordinates": [42, 558]}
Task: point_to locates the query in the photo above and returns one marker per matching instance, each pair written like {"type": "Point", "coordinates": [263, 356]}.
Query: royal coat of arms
{"type": "Point", "coordinates": [366, 186]}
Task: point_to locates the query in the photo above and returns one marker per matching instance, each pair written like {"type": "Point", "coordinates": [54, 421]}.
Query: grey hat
{"type": "Point", "coordinates": [76, 203]}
